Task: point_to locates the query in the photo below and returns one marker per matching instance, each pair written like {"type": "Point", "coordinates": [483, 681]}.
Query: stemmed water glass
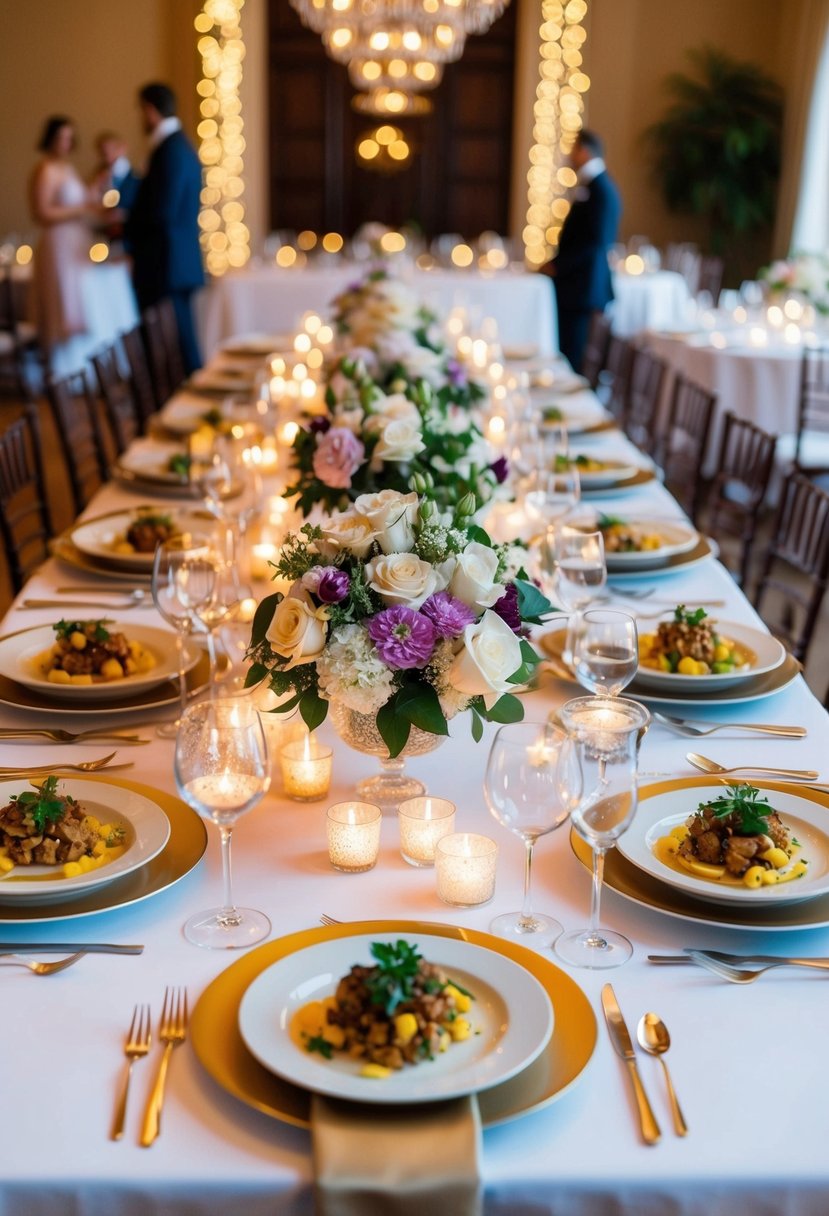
{"type": "Point", "coordinates": [581, 567]}
{"type": "Point", "coordinates": [232, 487]}
{"type": "Point", "coordinates": [183, 581]}
{"type": "Point", "coordinates": [605, 651]}
{"type": "Point", "coordinates": [221, 608]}
{"type": "Point", "coordinates": [606, 733]}
{"type": "Point", "coordinates": [531, 785]}
{"type": "Point", "coordinates": [222, 772]}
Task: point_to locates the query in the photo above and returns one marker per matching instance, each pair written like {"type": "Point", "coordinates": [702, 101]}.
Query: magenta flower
{"type": "Point", "coordinates": [449, 615]}
{"type": "Point", "coordinates": [500, 468]}
{"type": "Point", "coordinates": [403, 638]}
{"type": "Point", "coordinates": [327, 583]}
{"type": "Point", "coordinates": [337, 458]}
{"type": "Point", "coordinates": [507, 608]}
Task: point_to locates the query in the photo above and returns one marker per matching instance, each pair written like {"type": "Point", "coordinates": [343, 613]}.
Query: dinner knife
{"type": "Point", "coordinates": [620, 1038]}
{"type": "Point", "coordinates": [68, 947]}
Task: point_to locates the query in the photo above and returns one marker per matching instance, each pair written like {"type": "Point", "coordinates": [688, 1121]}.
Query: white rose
{"type": "Point", "coordinates": [491, 654]}
{"type": "Point", "coordinates": [473, 580]}
{"type": "Point", "coordinates": [298, 629]}
{"type": "Point", "coordinates": [392, 516]}
{"type": "Point", "coordinates": [397, 407]}
{"type": "Point", "coordinates": [347, 530]}
{"type": "Point", "coordinates": [402, 578]}
{"type": "Point", "coordinates": [400, 440]}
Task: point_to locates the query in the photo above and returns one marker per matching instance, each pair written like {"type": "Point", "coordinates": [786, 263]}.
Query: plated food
{"type": "Point", "coordinates": [695, 650]}
{"type": "Point", "coordinates": [596, 471]}
{"type": "Point", "coordinates": [87, 652]}
{"type": "Point", "coordinates": [127, 540]}
{"type": "Point", "coordinates": [49, 827]}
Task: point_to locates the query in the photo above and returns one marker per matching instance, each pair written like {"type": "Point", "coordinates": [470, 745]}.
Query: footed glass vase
{"type": "Point", "coordinates": [391, 786]}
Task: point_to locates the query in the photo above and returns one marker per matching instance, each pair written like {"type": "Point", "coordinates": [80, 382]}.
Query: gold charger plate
{"type": "Point", "coordinates": [676, 562]}
{"type": "Point", "coordinates": [641, 477]}
{"type": "Point", "coordinates": [182, 852]}
{"type": "Point", "coordinates": [640, 888]}
{"type": "Point", "coordinates": [65, 550]}
{"type": "Point", "coordinates": [222, 1053]}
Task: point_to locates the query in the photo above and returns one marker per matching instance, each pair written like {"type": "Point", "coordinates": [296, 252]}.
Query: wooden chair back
{"type": "Point", "coordinates": [119, 401]}
{"type": "Point", "coordinates": [613, 381]}
{"type": "Point", "coordinates": [739, 486]}
{"type": "Point", "coordinates": [75, 412]}
{"type": "Point", "coordinates": [813, 411]}
{"type": "Point", "coordinates": [25, 521]}
{"type": "Point", "coordinates": [595, 352]}
{"type": "Point", "coordinates": [645, 383]}
{"type": "Point", "coordinates": [681, 451]}
{"type": "Point", "coordinates": [142, 385]}
{"type": "Point", "coordinates": [710, 276]}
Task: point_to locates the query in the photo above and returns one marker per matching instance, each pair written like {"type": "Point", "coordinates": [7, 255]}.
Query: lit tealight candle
{"type": "Point", "coordinates": [465, 869]}
{"type": "Point", "coordinates": [261, 556]}
{"type": "Point", "coordinates": [353, 836]}
{"type": "Point", "coordinates": [423, 822]}
{"type": "Point", "coordinates": [306, 769]}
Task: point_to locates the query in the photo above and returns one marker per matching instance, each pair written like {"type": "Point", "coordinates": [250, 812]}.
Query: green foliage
{"type": "Point", "coordinates": [45, 806]}
{"type": "Point", "coordinates": [65, 629]}
{"type": "Point", "coordinates": [744, 801]}
{"type": "Point", "coordinates": [392, 980]}
{"type": "Point", "coordinates": [684, 616]}
{"type": "Point", "coordinates": [532, 604]}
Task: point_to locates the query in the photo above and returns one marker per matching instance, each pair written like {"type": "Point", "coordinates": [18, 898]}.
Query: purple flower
{"type": "Point", "coordinates": [403, 638]}
{"type": "Point", "coordinates": [318, 426]}
{"type": "Point", "coordinates": [328, 583]}
{"type": "Point", "coordinates": [507, 608]}
{"type": "Point", "coordinates": [449, 616]}
{"type": "Point", "coordinates": [338, 456]}
{"type": "Point", "coordinates": [500, 468]}
{"type": "Point", "coordinates": [456, 373]}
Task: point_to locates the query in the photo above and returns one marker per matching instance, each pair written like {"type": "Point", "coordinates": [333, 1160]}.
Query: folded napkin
{"type": "Point", "coordinates": [396, 1161]}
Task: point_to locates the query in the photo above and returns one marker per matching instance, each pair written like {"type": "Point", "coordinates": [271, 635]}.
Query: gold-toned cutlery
{"type": "Point", "coordinates": [132, 593]}
{"type": "Point", "coordinates": [683, 726]}
{"type": "Point", "coordinates": [705, 765]}
{"type": "Point", "coordinates": [44, 968]}
{"type": "Point", "coordinates": [136, 1046]}
{"type": "Point", "coordinates": [80, 604]}
{"type": "Point", "coordinates": [743, 964]}
{"type": "Point", "coordinates": [85, 766]}
{"type": "Point", "coordinates": [621, 1040]}
{"type": "Point", "coordinates": [61, 947]}
{"type": "Point", "coordinates": [653, 1037]}
{"type": "Point", "coordinates": [67, 736]}
{"type": "Point", "coordinates": [172, 1031]}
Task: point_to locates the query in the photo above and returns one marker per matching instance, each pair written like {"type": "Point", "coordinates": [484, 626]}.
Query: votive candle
{"type": "Point", "coordinates": [353, 836]}
{"type": "Point", "coordinates": [465, 869]}
{"type": "Point", "coordinates": [306, 769]}
{"type": "Point", "coordinates": [423, 822]}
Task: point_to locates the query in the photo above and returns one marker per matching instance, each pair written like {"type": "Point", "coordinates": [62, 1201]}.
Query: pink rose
{"type": "Point", "coordinates": [337, 458]}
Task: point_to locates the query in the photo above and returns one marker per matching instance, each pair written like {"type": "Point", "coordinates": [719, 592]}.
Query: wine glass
{"type": "Point", "coordinates": [581, 566]}
{"type": "Point", "coordinates": [605, 651]}
{"type": "Point", "coordinates": [531, 785]}
{"type": "Point", "coordinates": [221, 608]}
{"type": "Point", "coordinates": [183, 580]}
{"type": "Point", "coordinates": [222, 772]}
{"type": "Point", "coordinates": [606, 732]}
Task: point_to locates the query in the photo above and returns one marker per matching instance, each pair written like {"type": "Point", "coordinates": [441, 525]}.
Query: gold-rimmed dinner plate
{"type": "Point", "coordinates": [64, 549]}
{"type": "Point", "coordinates": [673, 538]}
{"type": "Point", "coordinates": [258, 345]}
{"type": "Point", "coordinates": [676, 563]}
{"type": "Point", "coordinates": [101, 538]}
{"type": "Point", "coordinates": [643, 889]}
{"type": "Point", "coordinates": [622, 485]}
{"type": "Point", "coordinates": [220, 1049]}
{"type": "Point", "coordinates": [182, 852]}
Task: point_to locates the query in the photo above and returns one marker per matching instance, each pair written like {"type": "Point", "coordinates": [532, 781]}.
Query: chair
{"type": "Point", "coordinates": [142, 385]}
{"type": "Point", "coordinates": [119, 402]}
{"type": "Point", "coordinates": [595, 352]}
{"type": "Point", "coordinates": [681, 450]}
{"type": "Point", "coordinates": [75, 412]}
{"type": "Point", "coordinates": [710, 277]}
{"type": "Point", "coordinates": [161, 340]}
{"type": "Point", "coordinates": [799, 545]}
{"type": "Point", "coordinates": [172, 343]}
{"type": "Point", "coordinates": [19, 346]}
{"type": "Point", "coordinates": [613, 379]}
{"type": "Point", "coordinates": [25, 522]}
{"type": "Point", "coordinates": [811, 449]}
{"type": "Point", "coordinates": [744, 466]}
{"type": "Point", "coordinates": [644, 394]}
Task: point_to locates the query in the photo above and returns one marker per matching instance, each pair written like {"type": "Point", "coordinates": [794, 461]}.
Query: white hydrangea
{"type": "Point", "coordinates": [351, 671]}
{"type": "Point", "coordinates": [452, 701]}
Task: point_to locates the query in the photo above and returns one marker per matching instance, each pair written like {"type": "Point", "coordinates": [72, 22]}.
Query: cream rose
{"type": "Point", "coordinates": [348, 530]}
{"type": "Point", "coordinates": [491, 654]}
{"type": "Point", "coordinates": [298, 629]}
{"type": "Point", "coordinates": [397, 407]}
{"type": "Point", "coordinates": [400, 440]}
{"type": "Point", "coordinates": [402, 578]}
{"type": "Point", "coordinates": [473, 579]}
{"type": "Point", "coordinates": [392, 516]}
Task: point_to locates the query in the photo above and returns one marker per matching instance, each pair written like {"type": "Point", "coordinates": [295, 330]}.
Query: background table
{"type": "Point", "coordinates": [656, 300]}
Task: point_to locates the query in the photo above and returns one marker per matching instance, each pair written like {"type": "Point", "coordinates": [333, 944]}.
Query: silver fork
{"type": "Point", "coordinates": [172, 1031]}
{"type": "Point", "coordinates": [683, 727]}
{"type": "Point", "coordinates": [44, 968]}
{"type": "Point", "coordinates": [136, 1046]}
{"type": "Point", "coordinates": [735, 975]}
{"type": "Point", "coordinates": [742, 960]}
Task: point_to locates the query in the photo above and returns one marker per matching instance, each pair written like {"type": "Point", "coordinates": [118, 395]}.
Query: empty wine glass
{"type": "Point", "coordinates": [221, 608]}
{"type": "Point", "coordinates": [606, 733]}
{"type": "Point", "coordinates": [222, 771]}
{"type": "Point", "coordinates": [532, 783]}
{"type": "Point", "coordinates": [605, 651]}
{"type": "Point", "coordinates": [549, 495]}
{"type": "Point", "coordinates": [525, 445]}
{"type": "Point", "coordinates": [183, 581]}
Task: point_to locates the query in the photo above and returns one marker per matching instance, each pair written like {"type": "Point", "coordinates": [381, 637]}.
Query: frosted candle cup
{"type": "Point", "coordinates": [423, 822]}
{"type": "Point", "coordinates": [465, 869]}
{"type": "Point", "coordinates": [353, 836]}
{"type": "Point", "coordinates": [306, 770]}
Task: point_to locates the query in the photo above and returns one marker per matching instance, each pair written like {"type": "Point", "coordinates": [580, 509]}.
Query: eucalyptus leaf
{"type": "Point", "coordinates": [263, 617]}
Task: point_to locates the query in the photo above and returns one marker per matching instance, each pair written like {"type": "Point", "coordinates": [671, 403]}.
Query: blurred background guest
{"type": "Point", "coordinates": [580, 270]}
{"type": "Point", "coordinates": [162, 230]}
{"type": "Point", "coordinates": [115, 183]}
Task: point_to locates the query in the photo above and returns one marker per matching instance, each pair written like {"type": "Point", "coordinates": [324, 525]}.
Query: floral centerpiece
{"type": "Point", "coordinates": [402, 614]}
{"type": "Point", "coordinates": [807, 274]}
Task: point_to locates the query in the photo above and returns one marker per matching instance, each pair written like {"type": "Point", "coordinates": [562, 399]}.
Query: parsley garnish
{"type": "Point", "coordinates": [65, 629]}
{"type": "Point", "coordinates": [743, 801]}
{"type": "Point", "coordinates": [44, 807]}
{"type": "Point", "coordinates": [165, 521]}
{"type": "Point", "coordinates": [318, 1043]}
{"type": "Point", "coordinates": [393, 977]}
{"type": "Point", "coordinates": [683, 616]}
{"type": "Point", "coordinates": [611, 521]}
{"type": "Point", "coordinates": [180, 464]}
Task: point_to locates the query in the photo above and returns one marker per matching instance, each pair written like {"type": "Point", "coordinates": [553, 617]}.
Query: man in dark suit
{"type": "Point", "coordinates": [162, 231]}
{"type": "Point", "coordinates": [580, 272]}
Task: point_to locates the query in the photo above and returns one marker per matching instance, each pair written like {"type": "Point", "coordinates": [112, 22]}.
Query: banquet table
{"type": "Point", "coordinates": [657, 299]}
{"type": "Point", "coordinates": [751, 1067]}
{"type": "Point", "coordinates": [267, 298]}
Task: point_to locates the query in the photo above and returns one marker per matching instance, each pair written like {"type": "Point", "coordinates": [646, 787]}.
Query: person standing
{"type": "Point", "coordinates": [580, 270]}
{"type": "Point", "coordinates": [162, 230]}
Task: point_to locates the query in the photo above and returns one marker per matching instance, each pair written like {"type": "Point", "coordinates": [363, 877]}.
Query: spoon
{"type": "Point", "coordinates": [653, 1037]}
{"type": "Point", "coordinates": [711, 766]}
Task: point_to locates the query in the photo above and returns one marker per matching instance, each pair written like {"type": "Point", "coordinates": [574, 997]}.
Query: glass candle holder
{"type": "Point", "coordinates": [353, 836]}
{"type": "Point", "coordinates": [306, 769]}
{"type": "Point", "coordinates": [465, 869]}
{"type": "Point", "coordinates": [423, 822]}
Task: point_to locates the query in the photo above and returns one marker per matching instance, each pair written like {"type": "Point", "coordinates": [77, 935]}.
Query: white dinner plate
{"type": "Point", "coordinates": [223, 380]}
{"type": "Point", "coordinates": [19, 653]}
{"type": "Point", "coordinates": [806, 821]}
{"type": "Point", "coordinates": [512, 1021]}
{"type": "Point", "coordinates": [147, 463]}
{"type": "Point", "coordinates": [769, 654]}
{"type": "Point", "coordinates": [675, 538]}
{"type": "Point", "coordinates": [100, 538]}
{"type": "Point", "coordinates": [677, 563]}
{"type": "Point", "coordinates": [613, 473]}
{"type": "Point", "coordinates": [185, 413]}
{"type": "Point", "coordinates": [147, 832]}
{"type": "Point", "coordinates": [258, 344]}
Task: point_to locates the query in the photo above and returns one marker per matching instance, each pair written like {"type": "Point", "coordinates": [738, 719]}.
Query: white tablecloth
{"type": "Point", "coordinates": [648, 301]}
{"type": "Point", "coordinates": [267, 299]}
{"type": "Point", "coordinates": [751, 1067]}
